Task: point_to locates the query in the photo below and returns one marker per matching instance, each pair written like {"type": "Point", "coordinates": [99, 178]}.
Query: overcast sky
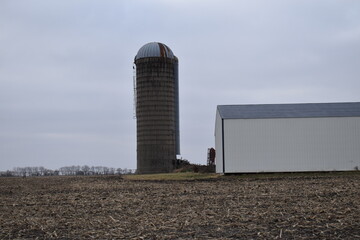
{"type": "Point", "coordinates": [66, 87]}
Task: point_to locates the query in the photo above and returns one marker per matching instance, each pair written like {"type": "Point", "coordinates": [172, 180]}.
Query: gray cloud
{"type": "Point", "coordinates": [66, 69]}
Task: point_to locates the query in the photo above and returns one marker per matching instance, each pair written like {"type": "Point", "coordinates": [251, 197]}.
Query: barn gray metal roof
{"type": "Point", "coordinates": [300, 110]}
{"type": "Point", "coordinates": [154, 49]}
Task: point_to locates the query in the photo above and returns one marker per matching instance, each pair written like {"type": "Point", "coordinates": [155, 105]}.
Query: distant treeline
{"type": "Point", "coordinates": [65, 171]}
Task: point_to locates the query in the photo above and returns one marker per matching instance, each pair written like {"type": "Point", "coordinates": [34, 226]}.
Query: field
{"type": "Point", "coordinates": [292, 206]}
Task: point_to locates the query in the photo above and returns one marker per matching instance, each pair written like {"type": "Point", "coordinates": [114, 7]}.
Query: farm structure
{"type": "Point", "coordinates": [287, 137]}
{"type": "Point", "coordinates": [156, 90]}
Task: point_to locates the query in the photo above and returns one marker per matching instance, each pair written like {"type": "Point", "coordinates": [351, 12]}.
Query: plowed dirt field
{"type": "Point", "coordinates": [290, 207]}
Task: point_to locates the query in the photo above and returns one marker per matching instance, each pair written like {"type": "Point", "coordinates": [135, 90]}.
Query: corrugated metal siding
{"type": "Point", "coordinates": [298, 110]}
{"type": "Point", "coordinates": [292, 144]}
{"type": "Point", "coordinates": [218, 143]}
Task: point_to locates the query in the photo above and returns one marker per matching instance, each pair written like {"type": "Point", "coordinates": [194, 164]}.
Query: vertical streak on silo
{"type": "Point", "coordinates": [177, 108]}
{"type": "Point", "coordinates": [134, 86]}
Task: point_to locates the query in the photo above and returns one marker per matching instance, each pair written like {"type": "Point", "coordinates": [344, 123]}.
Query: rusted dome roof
{"type": "Point", "coordinates": [154, 49]}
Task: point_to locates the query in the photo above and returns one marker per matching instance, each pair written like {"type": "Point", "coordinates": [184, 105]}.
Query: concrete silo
{"type": "Point", "coordinates": [157, 108]}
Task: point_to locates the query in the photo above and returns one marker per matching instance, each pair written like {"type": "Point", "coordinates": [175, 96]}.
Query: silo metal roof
{"type": "Point", "coordinates": [300, 110]}
{"type": "Point", "coordinates": [154, 49]}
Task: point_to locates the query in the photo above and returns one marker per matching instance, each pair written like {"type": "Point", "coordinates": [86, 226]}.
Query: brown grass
{"type": "Point", "coordinates": [172, 176]}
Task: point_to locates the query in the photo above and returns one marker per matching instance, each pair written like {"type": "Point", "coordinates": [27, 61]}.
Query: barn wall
{"type": "Point", "coordinates": [291, 144]}
{"type": "Point", "coordinates": [218, 143]}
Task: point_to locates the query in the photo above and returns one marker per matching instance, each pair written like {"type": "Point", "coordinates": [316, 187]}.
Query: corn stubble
{"type": "Point", "coordinates": [300, 207]}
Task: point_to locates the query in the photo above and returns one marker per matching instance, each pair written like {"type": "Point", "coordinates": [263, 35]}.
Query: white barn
{"type": "Point", "coordinates": [287, 137]}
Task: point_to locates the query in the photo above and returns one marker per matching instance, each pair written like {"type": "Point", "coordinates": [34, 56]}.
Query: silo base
{"type": "Point", "coordinates": [153, 160]}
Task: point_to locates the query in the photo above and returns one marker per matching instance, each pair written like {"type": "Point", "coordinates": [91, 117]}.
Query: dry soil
{"type": "Point", "coordinates": [289, 207]}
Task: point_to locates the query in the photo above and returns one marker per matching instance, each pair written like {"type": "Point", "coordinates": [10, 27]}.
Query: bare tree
{"type": "Point", "coordinates": [66, 170]}
{"type": "Point", "coordinates": [85, 169]}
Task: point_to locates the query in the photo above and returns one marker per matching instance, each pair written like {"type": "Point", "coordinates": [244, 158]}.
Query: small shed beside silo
{"type": "Point", "coordinates": [287, 137]}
